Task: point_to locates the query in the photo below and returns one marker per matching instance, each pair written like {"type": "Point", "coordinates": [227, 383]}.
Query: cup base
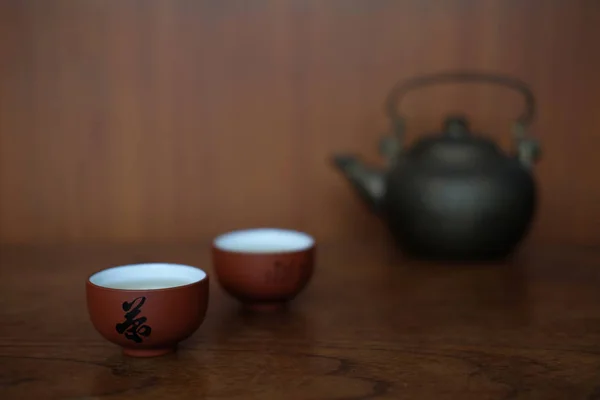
{"type": "Point", "coordinates": [145, 353]}
{"type": "Point", "coordinates": [266, 306]}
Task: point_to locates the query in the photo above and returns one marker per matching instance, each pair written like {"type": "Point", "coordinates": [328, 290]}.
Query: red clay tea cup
{"type": "Point", "coordinates": [264, 268]}
{"type": "Point", "coordinates": [147, 309]}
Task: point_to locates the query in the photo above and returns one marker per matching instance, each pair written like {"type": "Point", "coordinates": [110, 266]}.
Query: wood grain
{"type": "Point", "coordinates": [155, 120]}
{"type": "Point", "coordinates": [369, 326]}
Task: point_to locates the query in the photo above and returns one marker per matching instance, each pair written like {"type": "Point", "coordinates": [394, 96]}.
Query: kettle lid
{"type": "Point", "coordinates": [456, 136]}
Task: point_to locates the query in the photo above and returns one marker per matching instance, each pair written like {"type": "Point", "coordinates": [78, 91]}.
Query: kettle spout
{"type": "Point", "coordinates": [368, 182]}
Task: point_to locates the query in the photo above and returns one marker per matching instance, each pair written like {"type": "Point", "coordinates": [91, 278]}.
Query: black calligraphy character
{"type": "Point", "coordinates": [280, 273]}
{"type": "Point", "coordinates": [133, 327]}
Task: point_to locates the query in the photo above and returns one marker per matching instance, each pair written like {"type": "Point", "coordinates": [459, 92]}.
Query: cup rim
{"type": "Point", "coordinates": [297, 241]}
{"type": "Point", "coordinates": [89, 280]}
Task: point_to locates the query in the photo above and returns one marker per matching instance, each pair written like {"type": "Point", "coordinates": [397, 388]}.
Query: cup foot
{"type": "Point", "coordinates": [149, 352]}
{"type": "Point", "coordinates": [266, 306]}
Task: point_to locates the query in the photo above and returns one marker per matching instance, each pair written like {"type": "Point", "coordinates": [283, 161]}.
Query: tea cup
{"type": "Point", "coordinates": [264, 268]}
{"type": "Point", "coordinates": [147, 309]}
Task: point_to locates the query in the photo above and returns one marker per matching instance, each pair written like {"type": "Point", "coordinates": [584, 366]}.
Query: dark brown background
{"type": "Point", "coordinates": [176, 120]}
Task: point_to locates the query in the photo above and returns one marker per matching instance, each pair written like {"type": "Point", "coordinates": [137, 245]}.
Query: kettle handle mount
{"type": "Point", "coordinates": [528, 148]}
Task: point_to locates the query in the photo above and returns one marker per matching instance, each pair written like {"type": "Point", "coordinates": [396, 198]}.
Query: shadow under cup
{"type": "Point", "coordinates": [264, 268]}
{"type": "Point", "coordinates": [147, 309]}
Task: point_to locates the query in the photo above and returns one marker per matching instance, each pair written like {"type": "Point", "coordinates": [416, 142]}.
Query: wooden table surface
{"type": "Point", "coordinates": [369, 326]}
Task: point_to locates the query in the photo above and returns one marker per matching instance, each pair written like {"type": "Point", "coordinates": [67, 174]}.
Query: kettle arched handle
{"type": "Point", "coordinates": [528, 147]}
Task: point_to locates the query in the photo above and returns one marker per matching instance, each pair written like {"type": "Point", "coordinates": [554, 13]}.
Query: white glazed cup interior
{"type": "Point", "coordinates": [148, 276]}
{"type": "Point", "coordinates": [264, 241]}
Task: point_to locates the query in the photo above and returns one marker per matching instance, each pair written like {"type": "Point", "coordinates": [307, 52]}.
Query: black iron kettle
{"type": "Point", "coordinates": [452, 196]}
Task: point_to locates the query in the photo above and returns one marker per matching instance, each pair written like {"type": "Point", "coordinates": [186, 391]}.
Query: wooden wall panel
{"type": "Point", "coordinates": [176, 120]}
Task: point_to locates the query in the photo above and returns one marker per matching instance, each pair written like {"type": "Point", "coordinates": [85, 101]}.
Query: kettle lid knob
{"type": "Point", "coordinates": [456, 126]}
